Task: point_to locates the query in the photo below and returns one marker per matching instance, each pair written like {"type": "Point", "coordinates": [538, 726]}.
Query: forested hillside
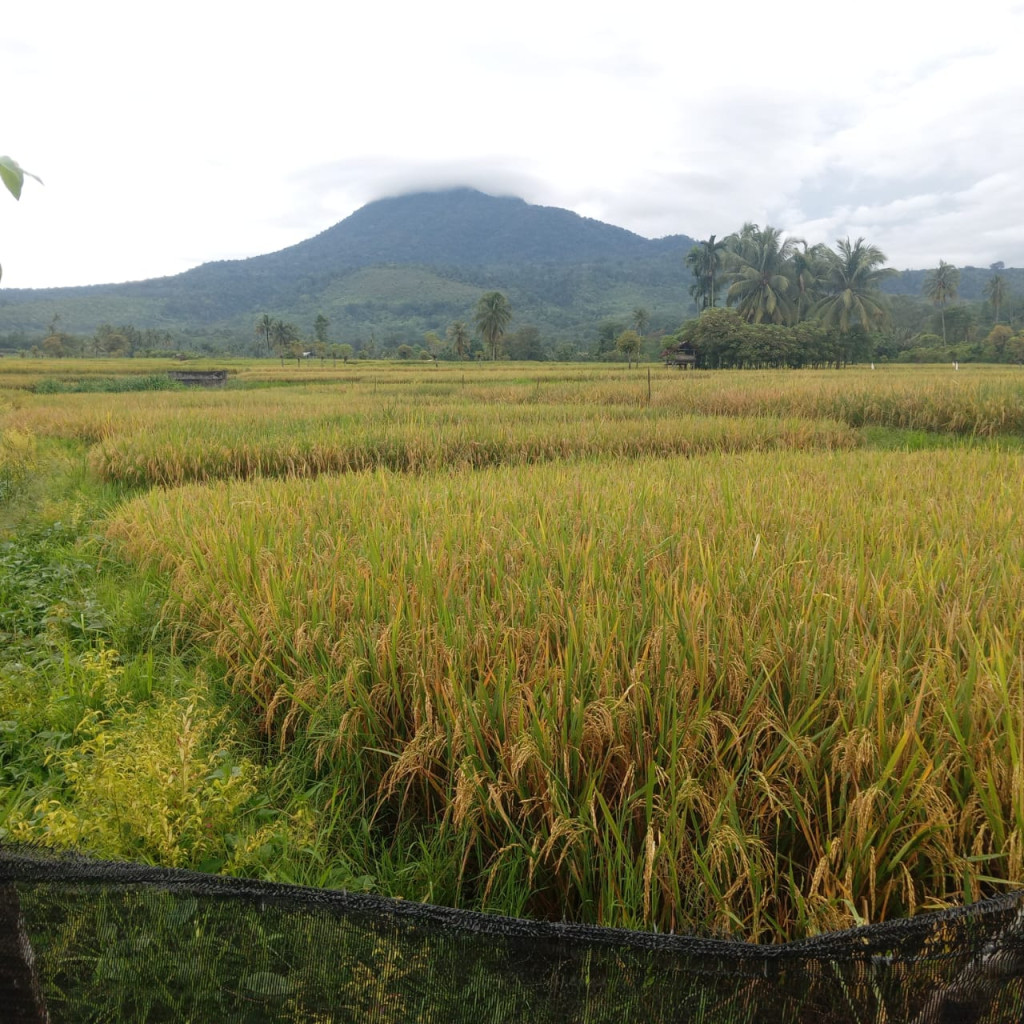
{"type": "Point", "coordinates": [402, 270]}
{"type": "Point", "coordinates": [393, 270]}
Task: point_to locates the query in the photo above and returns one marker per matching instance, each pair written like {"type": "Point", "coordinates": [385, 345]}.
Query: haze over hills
{"type": "Point", "coordinates": [402, 266]}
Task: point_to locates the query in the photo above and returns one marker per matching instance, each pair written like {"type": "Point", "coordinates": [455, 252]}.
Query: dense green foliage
{"type": "Point", "coordinates": [133, 382]}
{"type": "Point", "coordinates": [786, 303]}
{"type": "Point", "coordinates": [789, 304]}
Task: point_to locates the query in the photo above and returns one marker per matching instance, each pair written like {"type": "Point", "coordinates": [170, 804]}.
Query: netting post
{"type": "Point", "coordinates": [20, 992]}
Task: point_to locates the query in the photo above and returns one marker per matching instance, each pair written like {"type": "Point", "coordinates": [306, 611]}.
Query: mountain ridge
{"type": "Point", "coordinates": [562, 272]}
{"type": "Point", "coordinates": [528, 230]}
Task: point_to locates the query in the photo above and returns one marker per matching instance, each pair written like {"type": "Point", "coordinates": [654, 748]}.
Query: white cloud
{"type": "Point", "coordinates": [203, 130]}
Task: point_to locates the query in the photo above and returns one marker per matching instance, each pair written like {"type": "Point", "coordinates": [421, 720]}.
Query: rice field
{"type": "Point", "coordinates": [421, 419]}
{"type": "Point", "coordinates": [707, 662]}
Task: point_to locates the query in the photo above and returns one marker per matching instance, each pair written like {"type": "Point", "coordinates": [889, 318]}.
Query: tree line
{"type": "Point", "coordinates": [492, 317]}
{"type": "Point", "coordinates": [765, 300]}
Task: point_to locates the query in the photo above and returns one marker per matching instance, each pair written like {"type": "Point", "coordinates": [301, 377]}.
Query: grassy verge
{"type": "Point", "coordinates": [113, 742]}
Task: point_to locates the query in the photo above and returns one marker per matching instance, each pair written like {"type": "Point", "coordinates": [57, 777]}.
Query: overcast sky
{"type": "Point", "coordinates": [171, 135]}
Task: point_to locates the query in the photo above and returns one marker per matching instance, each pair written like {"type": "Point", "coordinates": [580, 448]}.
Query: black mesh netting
{"type": "Point", "coordinates": [83, 940]}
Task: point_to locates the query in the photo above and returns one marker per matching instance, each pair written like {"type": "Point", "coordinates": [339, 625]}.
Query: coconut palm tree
{"type": "Point", "coordinates": [810, 267]}
{"type": "Point", "coordinates": [995, 292]}
{"type": "Point", "coordinates": [264, 328]}
{"type": "Point", "coordinates": [941, 285]}
{"type": "Point", "coordinates": [853, 275]}
{"type": "Point", "coordinates": [493, 314]}
{"type": "Point", "coordinates": [759, 265]}
{"type": "Point", "coordinates": [285, 337]}
{"type": "Point", "coordinates": [641, 318]}
{"type": "Point", "coordinates": [458, 335]}
{"type": "Point", "coordinates": [705, 262]}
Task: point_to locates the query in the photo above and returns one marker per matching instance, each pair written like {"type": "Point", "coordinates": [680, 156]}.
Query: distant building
{"type": "Point", "coordinates": [683, 356]}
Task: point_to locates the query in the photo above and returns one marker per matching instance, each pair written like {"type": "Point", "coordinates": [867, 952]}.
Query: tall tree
{"type": "Point", "coordinates": [718, 336]}
{"type": "Point", "coordinates": [641, 318]}
{"type": "Point", "coordinates": [320, 325]}
{"type": "Point", "coordinates": [853, 276]}
{"type": "Point", "coordinates": [286, 339]}
{"type": "Point", "coordinates": [264, 328]}
{"type": "Point", "coordinates": [493, 314]}
{"type": "Point", "coordinates": [759, 265]}
{"type": "Point", "coordinates": [941, 285]}
{"type": "Point", "coordinates": [432, 344]}
{"type": "Point", "coordinates": [342, 352]}
{"type": "Point", "coordinates": [607, 332]}
{"type": "Point", "coordinates": [525, 343]}
{"type": "Point", "coordinates": [995, 292]}
{"type": "Point", "coordinates": [810, 267]}
{"type": "Point", "coordinates": [628, 343]}
{"type": "Point", "coordinates": [458, 335]}
{"type": "Point", "coordinates": [705, 262]}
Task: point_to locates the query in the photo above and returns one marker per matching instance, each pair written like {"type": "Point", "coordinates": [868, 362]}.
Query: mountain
{"type": "Point", "coordinates": [465, 228]}
{"type": "Point", "coordinates": [973, 281]}
{"type": "Point", "coordinates": [399, 267]}
{"type": "Point", "coordinates": [394, 269]}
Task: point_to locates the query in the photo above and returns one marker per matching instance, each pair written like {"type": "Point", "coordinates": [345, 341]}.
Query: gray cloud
{"type": "Point", "coordinates": [329, 192]}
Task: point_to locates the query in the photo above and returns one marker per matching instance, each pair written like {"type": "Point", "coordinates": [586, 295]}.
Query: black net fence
{"type": "Point", "coordinates": [86, 940]}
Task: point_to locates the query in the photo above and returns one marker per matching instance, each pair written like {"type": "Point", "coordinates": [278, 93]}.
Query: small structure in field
{"type": "Point", "coordinates": [682, 356]}
{"type": "Point", "coordinates": [199, 378]}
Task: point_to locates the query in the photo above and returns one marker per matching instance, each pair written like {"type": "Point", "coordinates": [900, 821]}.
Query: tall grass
{"type": "Point", "coordinates": [17, 458]}
{"type": "Point", "coordinates": [763, 694]}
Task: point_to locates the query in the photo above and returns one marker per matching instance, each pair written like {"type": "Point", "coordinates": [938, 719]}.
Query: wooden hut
{"type": "Point", "coordinates": [682, 356]}
{"type": "Point", "coordinates": [200, 378]}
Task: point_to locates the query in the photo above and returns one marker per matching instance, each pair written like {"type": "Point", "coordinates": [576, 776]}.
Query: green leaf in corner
{"type": "Point", "coordinates": [13, 175]}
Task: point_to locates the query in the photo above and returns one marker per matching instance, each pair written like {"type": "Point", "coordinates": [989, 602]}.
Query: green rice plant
{"type": "Point", "coordinates": [765, 693]}
{"type": "Point", "coordinates": [115, 385]}
{"type": "Point", "coordinates": [17, 457]}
